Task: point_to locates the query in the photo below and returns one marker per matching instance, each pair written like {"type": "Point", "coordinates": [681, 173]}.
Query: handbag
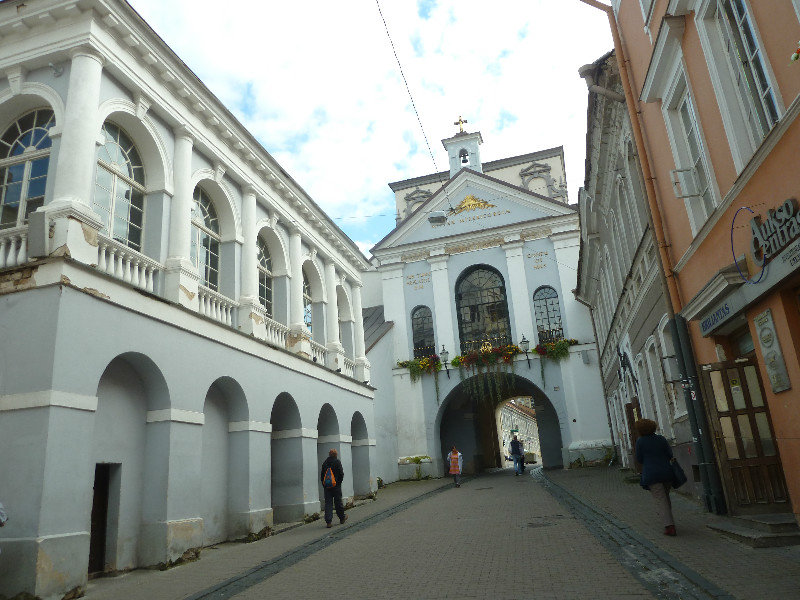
{"type": "Point", "coordinates": [678, 476]}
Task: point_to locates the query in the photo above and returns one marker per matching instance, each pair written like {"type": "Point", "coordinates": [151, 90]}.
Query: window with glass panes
{"type": "Point", "coordinates": [747, 64]}
{"type": "Point", "coordinates": [422, 332]}
{"type": "Point", "coordinates": [694, 148]}
{"type": "Point", "coordinates": [482, 309]}
{"type": "Point", "coordinates": [548, 315]}
{"type": "Point", "coordinates": [307, 317]}
{"type": "Point", "coordinates": [205, 239]}
{"type": "Point", "coordinates": [119, 188]}
{"type": "Point", "coordinates": [24, 161]}
{"type": "Point", "coordinates": [264, 276]}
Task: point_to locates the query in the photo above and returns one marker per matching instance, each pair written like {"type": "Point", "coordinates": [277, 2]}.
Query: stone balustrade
{"type": "Point", "coordinates": [348, 366]}
{"type": "Point", "coordinates": [318, 352]}
{"type": "Point", "coordinates": [13, 247]}
{"type": "Point", "coordinates": [216, 306]}
{"type": "Point", "coordinates": [126, 264]}
{"type": "Point", "coordinates": [276, 332]}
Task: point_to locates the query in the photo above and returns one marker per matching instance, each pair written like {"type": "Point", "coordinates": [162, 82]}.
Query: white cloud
{"type": "Point", "coordinates": [317, 84]}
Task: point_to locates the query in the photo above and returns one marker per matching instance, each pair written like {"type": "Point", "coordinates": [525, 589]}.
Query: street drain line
{"type": "Point", "coordinates": [238, 584]}
{"type": "Point", "coordinates": [660, 572]}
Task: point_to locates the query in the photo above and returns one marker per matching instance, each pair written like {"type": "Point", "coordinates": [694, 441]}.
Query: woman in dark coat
{"type": "Point", "coordinates": [654, 454]}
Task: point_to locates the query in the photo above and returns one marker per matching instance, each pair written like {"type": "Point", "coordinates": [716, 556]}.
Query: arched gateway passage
{"type": "Point", "coordinates": [467, 418]}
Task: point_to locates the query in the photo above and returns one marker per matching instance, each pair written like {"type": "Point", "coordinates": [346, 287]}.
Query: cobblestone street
{"type": "Point", "coordinates": [563, 534]}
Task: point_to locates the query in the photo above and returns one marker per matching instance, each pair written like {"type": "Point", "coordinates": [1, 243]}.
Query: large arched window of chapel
{"type": "Point", "coordinates": [205, 239]}
{"type": "Point", "coordinates": [422, 332]}
{"type": "Point", "coordinates": [119, 188]}
{"type": "Point", "coordinates": [24, 160]}
{"type": "Point", "coordinates": [264, 276]}
{"type": "Point", "coordinates": [548, 314]}
{"type": "Point", "coordinates": [307, 300]}
{"type": "Point", "coordinates": [482, 309]}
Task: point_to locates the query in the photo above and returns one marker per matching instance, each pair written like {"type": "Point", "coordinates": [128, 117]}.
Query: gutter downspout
{"type": "Point", "coordinates": [713, 493]}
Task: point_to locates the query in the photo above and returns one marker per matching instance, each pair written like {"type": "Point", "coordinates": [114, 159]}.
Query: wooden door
{"type": "Point", "coordinates": [744, 439]}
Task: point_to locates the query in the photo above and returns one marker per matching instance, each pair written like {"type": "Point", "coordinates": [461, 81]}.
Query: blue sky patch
{"type": "Point", "coordinates": [416, 44]}
{"type": "Point", "coordinates": [505, 119]}
{"type": "Point", "coordinates": [424, 8]}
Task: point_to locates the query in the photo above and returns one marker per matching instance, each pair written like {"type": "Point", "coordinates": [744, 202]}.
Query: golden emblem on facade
{"type": "Point", "coordinates": [471, 203]}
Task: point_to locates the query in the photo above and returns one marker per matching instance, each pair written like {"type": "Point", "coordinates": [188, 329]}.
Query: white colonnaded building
{"type": "Point", "coordinates": [180, 324]}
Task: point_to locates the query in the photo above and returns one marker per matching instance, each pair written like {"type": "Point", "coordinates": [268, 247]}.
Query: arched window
{"type": "Point", "coordinates": [205, 239]}
{"type": "Point", "coordinates": [422, 332]}
{"type": "Point", "coordinates": [482, 309]}
{"type": "Point", "coordinates": [119, 188]}
{"type": "Point", "coordinates": [307, 317]}
{"type": "Point", "coordinates": [264, 276]}
{"type": "Point", "coordinates": [548, 314]}
{"type": "Point", "coordinates": [24, 158]}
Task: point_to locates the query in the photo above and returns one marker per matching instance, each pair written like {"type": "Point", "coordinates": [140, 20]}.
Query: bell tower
{"type": "Point", "coordinates": [462, 149]}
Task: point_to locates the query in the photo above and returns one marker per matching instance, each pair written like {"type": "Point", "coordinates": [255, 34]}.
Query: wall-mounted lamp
{"type": "Point", "coordinates": [525, 345]}
{"type": "Point", "coordinates": [444, 355]}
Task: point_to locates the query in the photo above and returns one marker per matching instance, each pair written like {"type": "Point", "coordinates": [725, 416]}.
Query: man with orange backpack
{"type": "Point", "coordinates": [331, 477]}
{"type": "Point", "coordinates": [456, 462]}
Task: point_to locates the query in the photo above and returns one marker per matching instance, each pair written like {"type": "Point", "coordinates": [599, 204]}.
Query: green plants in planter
{"type": "Point", "coordinates": [555, 351]}
{"type": "Point", "coordinates": [417, 367]}
{"type": "Point", "coordinates": [490, 362]}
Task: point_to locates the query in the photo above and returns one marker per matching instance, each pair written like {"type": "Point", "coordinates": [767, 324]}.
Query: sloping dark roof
{"type": "Point", "coordinates": [375, 326]}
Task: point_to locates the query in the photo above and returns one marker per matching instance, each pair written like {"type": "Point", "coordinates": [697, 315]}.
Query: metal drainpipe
{"type": "Point", "coordinates": [709, 475]}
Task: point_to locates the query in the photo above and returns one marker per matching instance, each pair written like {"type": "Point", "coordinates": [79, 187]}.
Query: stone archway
{"type": "Point", "coordinates": [328, 439]}
{"type": "Point", "coordinates": [286, 460]}
{"type": "Point", "coordinates": [468, 420]}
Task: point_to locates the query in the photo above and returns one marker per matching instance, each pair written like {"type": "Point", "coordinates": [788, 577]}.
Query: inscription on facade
{"type": "Point", "coordinates": [538, 259]}
{"type": "Point", "coordinates": [477, 245]}
{"type": "Point", "coordinates": [418, 281]}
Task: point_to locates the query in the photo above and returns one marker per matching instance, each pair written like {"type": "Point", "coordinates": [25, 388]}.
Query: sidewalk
{"type": "Point", "coordinates": [223, 561]}
{"type": "Point", "coordinates": [744, 572]}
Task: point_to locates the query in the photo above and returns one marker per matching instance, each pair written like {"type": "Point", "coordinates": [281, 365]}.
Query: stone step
{"type": "Point", "coordinates": [756, 538]}
{"type": "Point", "coordinates": [771, 523]}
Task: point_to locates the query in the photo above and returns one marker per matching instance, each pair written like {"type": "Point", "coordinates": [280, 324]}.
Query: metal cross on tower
{"type": "Point", "coordinates": [460, 124]}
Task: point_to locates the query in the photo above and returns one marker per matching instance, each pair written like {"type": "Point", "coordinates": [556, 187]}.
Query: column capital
{"type": "Point", "coordinates": [89, 52]}
{"type": "Point", "coordinates": [182, 132]}
{"type": "Point", "coordinates": [249, 190]}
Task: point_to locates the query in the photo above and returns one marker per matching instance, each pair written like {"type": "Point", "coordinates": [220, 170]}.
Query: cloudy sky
{"type": "Point", "coordinates": [317, 83]}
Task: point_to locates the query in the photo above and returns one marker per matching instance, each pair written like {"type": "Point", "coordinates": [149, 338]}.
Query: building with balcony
{"type": "Point", "coordinates": [712, 86]}
{"type": "Point", "coordinates": [484, 256]}
{"type": "Point", "coordinates": [181, 335]}
{"type": "Point", "coordinates": [620, 278]}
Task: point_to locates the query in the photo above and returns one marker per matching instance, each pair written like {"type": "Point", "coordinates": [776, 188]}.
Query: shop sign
{"type": "Point", "coordinates": [771, 351]}
{"type": "Point", "coordinates": [715, 318]}
{"type": "Point", "coordinates": [779, 229]}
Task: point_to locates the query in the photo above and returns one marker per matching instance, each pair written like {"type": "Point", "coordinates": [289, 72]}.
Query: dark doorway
{"type": "Point", "coordinates": [97, 536]}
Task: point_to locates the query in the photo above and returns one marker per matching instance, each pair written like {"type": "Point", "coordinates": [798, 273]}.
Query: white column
{"type": "Point", "coordinates": [362, 370]}
{"type": "Point", "coordinates": [442, 304]}
{"type": "Point", "coordinates": [334, 359]}
{"type": "Point", "coordinates": [79, 134]}
{"type": "Point", "coordinates": [251, 318]}
{"type": "Point", "coordinates": [249, 247]}
{"type": "Point", "coordinates": [576, 319]}
{"type": "Point", "coordinates": [521, 299]}
{"type": "Point", "coordinates": [180, 275]}
{"type": "Point", "coordinates": [394, 308]}
{"type": "Point", "coordinates": [332, 309]}
{"type": "Point", "coordinates": [180, 223]}
{"type": "Point", "coordinates": [298, 339]}
{"type": "Point", "coordinates": [70, 211]}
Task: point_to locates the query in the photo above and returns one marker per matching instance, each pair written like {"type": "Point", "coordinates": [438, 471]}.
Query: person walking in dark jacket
{"type": "Point", "coordinates": [518, 454]}
{"type": "Point", "coordinates": [332, 483]}
{"type": "Point", "coordinates": [654, 454]}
